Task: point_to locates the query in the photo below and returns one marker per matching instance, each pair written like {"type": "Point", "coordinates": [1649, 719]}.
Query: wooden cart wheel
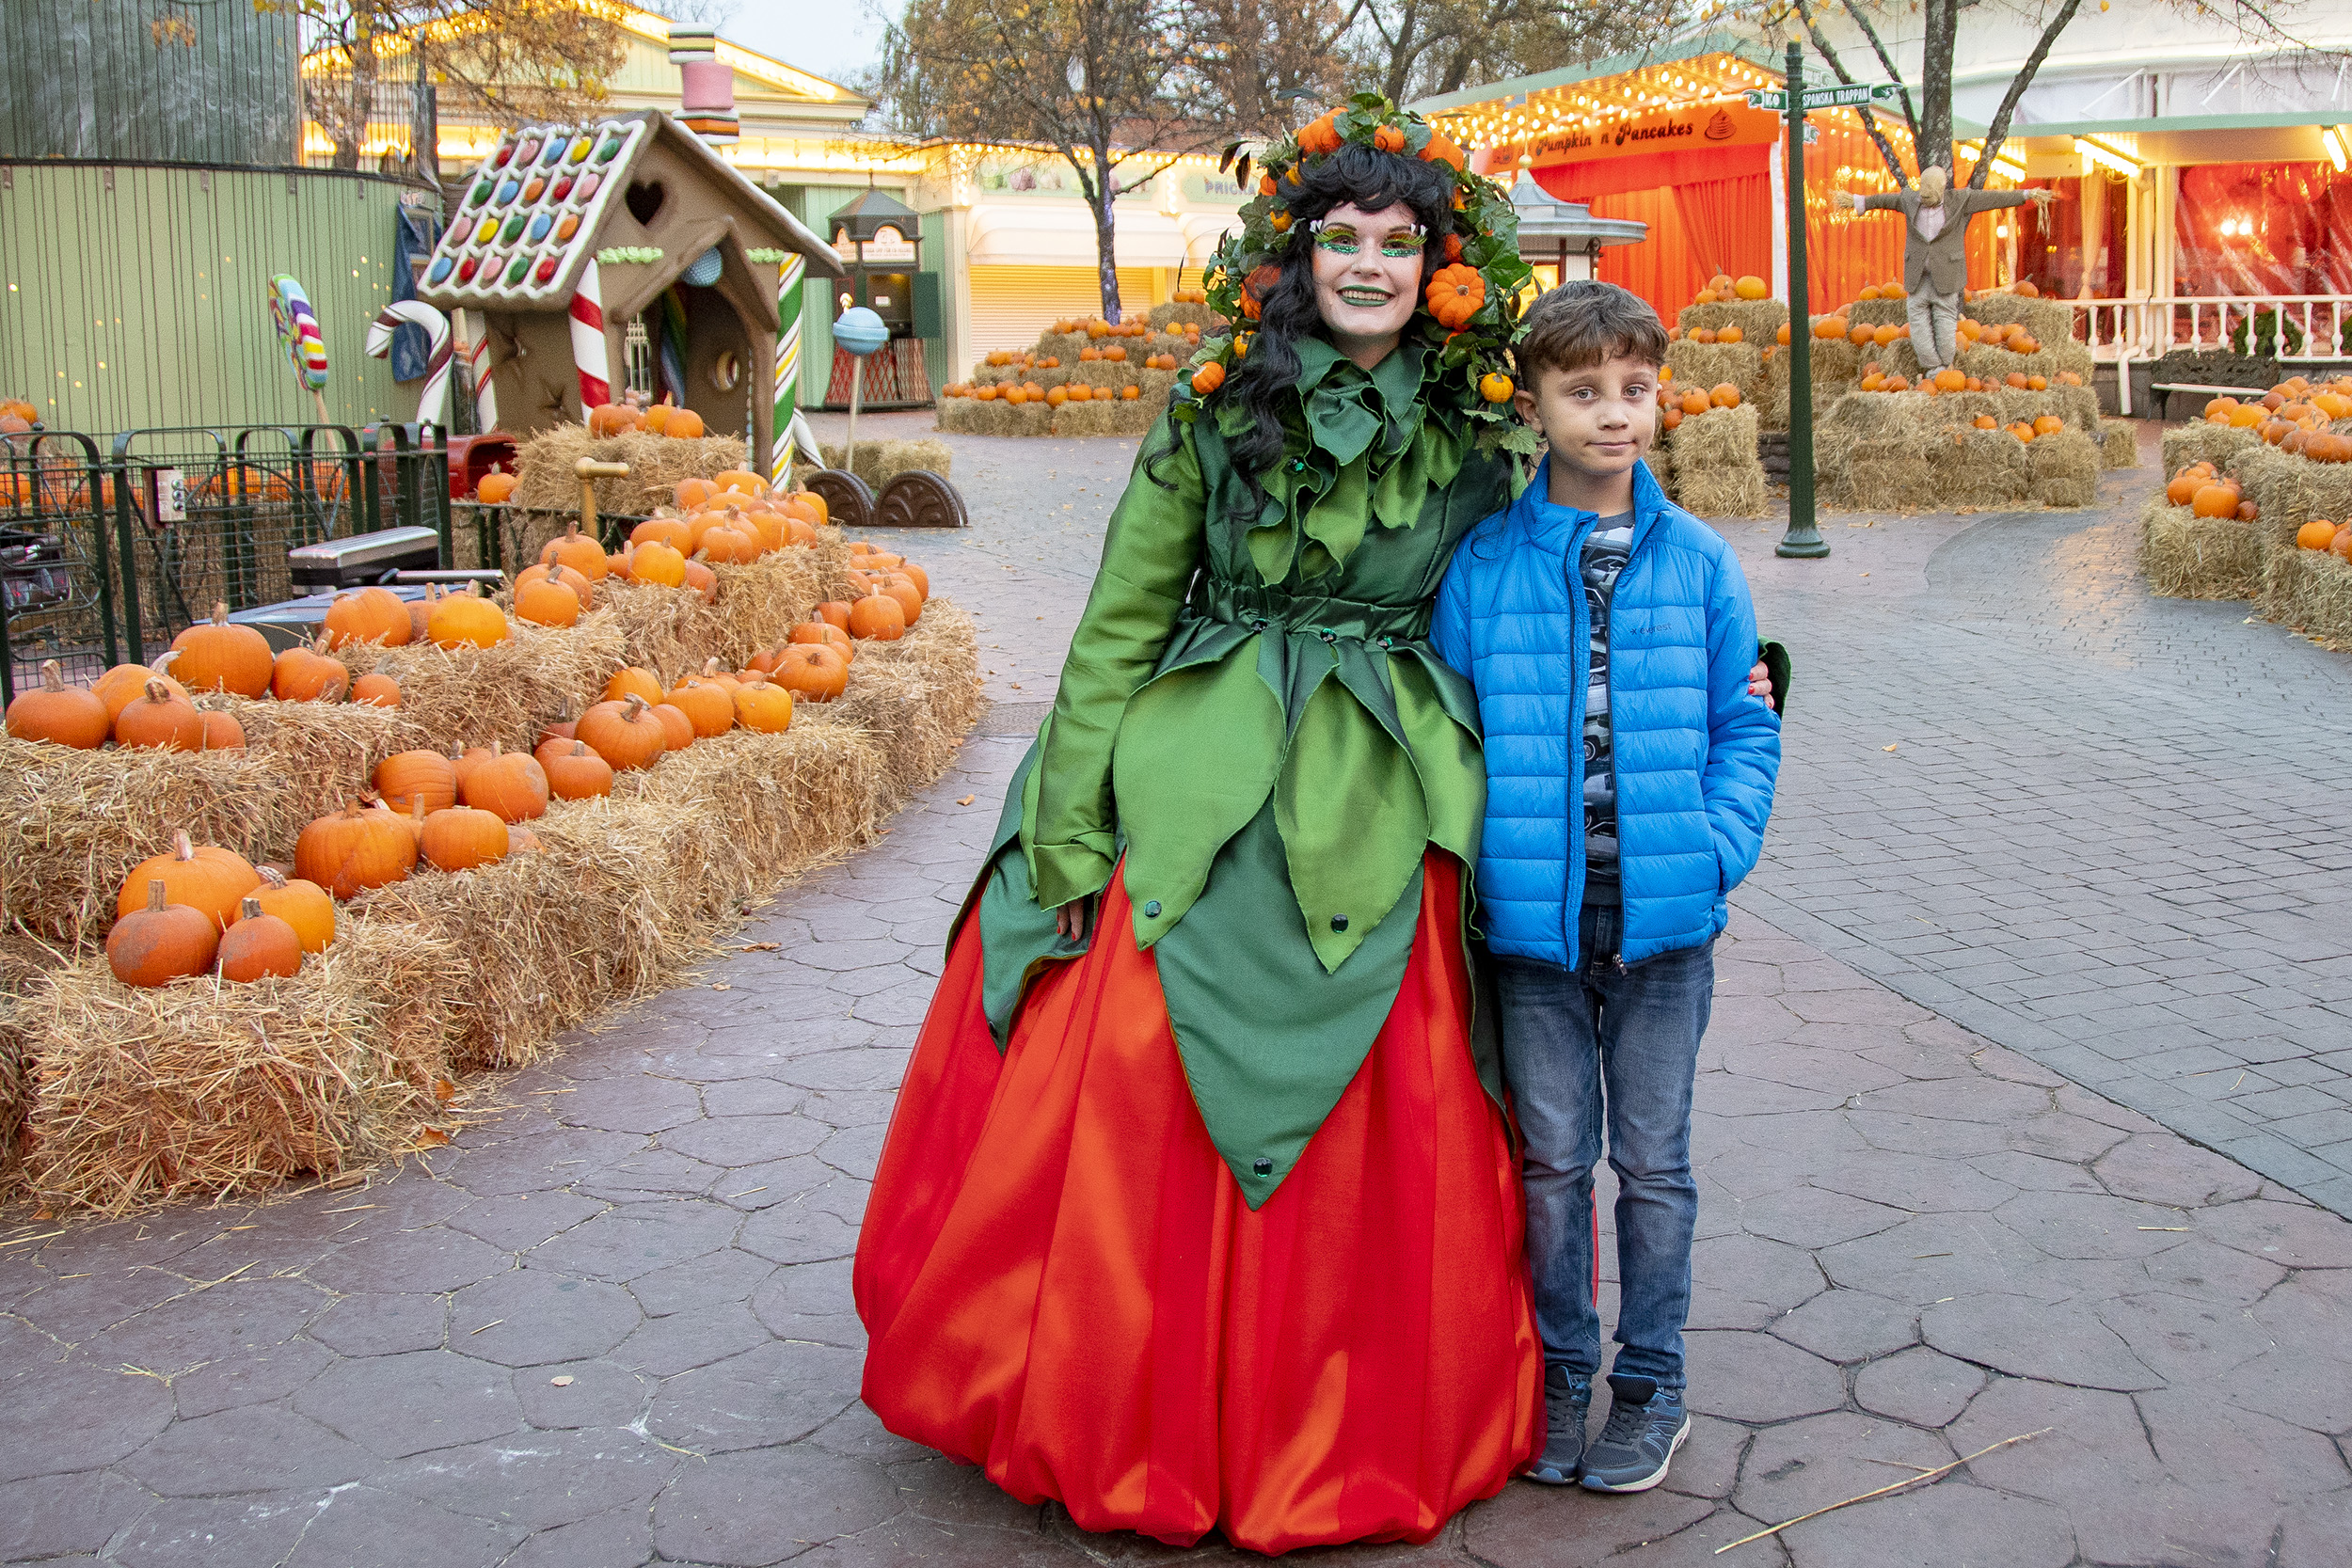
{"type": "Point", "coordinates": [847, 502]}
{"type": "Point", "coordinates": [921, 498]}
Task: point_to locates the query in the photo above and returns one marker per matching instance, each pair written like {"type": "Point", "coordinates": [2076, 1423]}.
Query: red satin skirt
{"type": "Point", "coordinates": [1061, 1282]}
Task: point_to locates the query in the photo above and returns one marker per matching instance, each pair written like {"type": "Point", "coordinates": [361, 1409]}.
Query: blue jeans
{"type": "Point", "coordinates": [1623, 1043]}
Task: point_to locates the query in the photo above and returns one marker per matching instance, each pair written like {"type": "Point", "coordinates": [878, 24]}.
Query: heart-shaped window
{"type": "Point", "coordinates": [643, 199]}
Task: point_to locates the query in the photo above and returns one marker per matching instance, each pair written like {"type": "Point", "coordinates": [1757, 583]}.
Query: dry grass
{"type": "Point", "coordinates": [1723, 492]}
{"type": "Point", "coordinates": [2050, 321]}
{"type": "Point", "coordinates": [1661, 468]}
{"type": "Point", "coordinates": [1976, 467]}
{"type": "Point", "coordinates": [2186, 557]}
{"type": "Point", "coordinates": [915, 698]}
{"type": "Point", "coordinates": [1108, 419]}
{"type": "Point", "coordinates": [507, 692]}
{"type": "Point", "coordinates": [1758, 319]}
{"type": "Point", "coordinates": [879, 462]}
{"type": "Point", "coordinates": [760, 602]}
{"type": "Point", "coordinates": [543, 478]}
{"type": "Point", "coordinates": [2065, 466]}
{"type": "Point", "coordinates": [205, 1089]}
{"type": "Point", "coordinates": [321, 752]}
{"type": "Point", "coordinates": [1880, 473]}
{"type": "Point", "coordinates": [1717, 472]}
{"type": "Point", "coordinates": [73, 823]}
{"type": "Point", "coordinates": [23, 964]}
{"type": "Point", "coordinates": [1195, 315]}
{"type": "Point", "coordinates": [2118, 443]}
{"type": "Point", "coordinates": [2200, 442]}
{"type": "Point", "coordinates": [2311, 591]}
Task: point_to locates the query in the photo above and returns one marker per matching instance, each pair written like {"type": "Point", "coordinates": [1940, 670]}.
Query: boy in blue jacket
{"type": "Point", "coordinates": [1630, 773]}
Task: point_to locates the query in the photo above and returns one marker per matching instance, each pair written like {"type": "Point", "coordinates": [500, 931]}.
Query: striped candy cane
{"type": "Point", "coordinates": [589, 353]}
{"type": "Point", "coordinates": [788, 278]}
{"type": "Point", "coordinates": [473, 330]}
{"type": "Point", "coordinates": [433, 401]}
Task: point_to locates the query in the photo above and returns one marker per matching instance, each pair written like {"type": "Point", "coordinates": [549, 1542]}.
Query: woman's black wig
{"type": "Point", "coordinates": [1369, 180]}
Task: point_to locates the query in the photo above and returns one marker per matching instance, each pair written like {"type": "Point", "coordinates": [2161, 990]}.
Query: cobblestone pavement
{"type": "Point", "coordinates": [611, 1325]}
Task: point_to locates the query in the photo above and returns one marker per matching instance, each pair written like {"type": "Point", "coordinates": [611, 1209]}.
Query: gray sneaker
{"type": "Point", "coordinates": [1567, 1401]}
{"type": "Point", "coordinates": [1646, 1424]}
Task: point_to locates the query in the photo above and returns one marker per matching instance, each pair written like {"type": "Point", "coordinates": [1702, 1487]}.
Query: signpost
{"type": "Point", "coordinates": [1804, 537]}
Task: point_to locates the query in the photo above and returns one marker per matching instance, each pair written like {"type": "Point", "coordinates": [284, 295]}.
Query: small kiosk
{"type": "Point", "coordinates": [879, 239]}
{"type": "Point", "coordinates": [1562, 240]}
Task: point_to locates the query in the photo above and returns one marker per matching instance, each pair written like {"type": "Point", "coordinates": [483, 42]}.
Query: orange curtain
{"type": "Point", "coordinates": [1728, 224]}
{"type": "Point", "coordinates": [1662, 268]}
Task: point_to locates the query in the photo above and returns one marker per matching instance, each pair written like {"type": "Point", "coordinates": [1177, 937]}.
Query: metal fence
{"type": "Point", "coordinates": [108, 551]}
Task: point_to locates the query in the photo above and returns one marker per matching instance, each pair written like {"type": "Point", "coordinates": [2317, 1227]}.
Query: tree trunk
{"type": "Point", "coordinates": [1942, 20]}
{"type": "Point", "coordinates": [1100, 191]}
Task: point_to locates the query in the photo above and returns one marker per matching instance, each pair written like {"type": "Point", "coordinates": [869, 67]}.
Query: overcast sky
{"type": "Point", "coordinates": [835, 38]}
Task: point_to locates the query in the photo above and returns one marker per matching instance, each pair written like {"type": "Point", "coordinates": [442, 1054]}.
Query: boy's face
{"type": "Point", "coordinates": [1599, 419]}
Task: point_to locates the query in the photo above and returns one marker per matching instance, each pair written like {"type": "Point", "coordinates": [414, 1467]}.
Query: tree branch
{"type": "Point", "coordinates": [1998, 132]}
{"type": "Point", "coordinates": [1877, 47]}
{"type": "Point", "coordinates": [1870, 120]}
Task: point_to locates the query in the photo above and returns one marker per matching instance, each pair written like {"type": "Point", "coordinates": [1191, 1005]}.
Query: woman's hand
{"type": "Point", "coordinates": [1072, 918]}
{"type": "Point", "coordinates": [1760, 682]}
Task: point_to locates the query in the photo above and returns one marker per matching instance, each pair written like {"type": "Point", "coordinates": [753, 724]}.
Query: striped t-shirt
{"type": "Point", "coordinates": [1605, 551]}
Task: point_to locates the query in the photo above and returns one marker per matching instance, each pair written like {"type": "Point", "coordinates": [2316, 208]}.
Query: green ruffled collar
{"type": "Point", "coordinates": [1363, 448]}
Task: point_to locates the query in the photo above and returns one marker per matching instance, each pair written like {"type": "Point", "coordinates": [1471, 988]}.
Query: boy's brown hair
{"type": "Point", "coordinates": [1585, 322]}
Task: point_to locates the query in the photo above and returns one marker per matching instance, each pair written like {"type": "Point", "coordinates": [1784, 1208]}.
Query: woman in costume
{"type": "Point", "coordinates": [1200, 1208]}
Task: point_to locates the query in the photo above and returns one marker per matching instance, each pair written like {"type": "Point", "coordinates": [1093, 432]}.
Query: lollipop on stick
{"type": "Point", "coordinates": [298, 335]}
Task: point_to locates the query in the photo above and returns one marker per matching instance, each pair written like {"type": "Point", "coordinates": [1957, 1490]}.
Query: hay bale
{"type": "Point", "coordinates": [1772, 390]}
{"type": "Point", "coordinates": [1660, 469]}
{"type": "Point", "coordinates": [1837, 365]}
{"type": "Point", "coordinates": [1973, 468]}
{"type": "Point", "coordinates": [1880, 474]}
{"type": "Point", "coordinates": [914, 699]}
{"type": "Point", "coordinates": [1703, 366]}
{"type": "Point", "coordinates": [1758, 319]}
{"type": "Point", "coordinates": [2050, 321]}
{"type": "Point", "coordinates": [2200, 442]}
{"type": "Point", "coordinates": [2118, 443]}
{"type": "Point", "coordinates": [72, 823]}
{"type": "Point", "coordinates": [2065, 466]}
{"type": "Point", "coordinates": [2050, 361]}
{"type": "Point", "coordinates": [543, 478]}
{"type": "Point", "coordinates": [2186, 557]}
{"type": "Point", "coordinates": [960, 417]}
{"type": "Point", "coordinates": [24, 963]}
{"type": "Point", "coordinates": [2314, 490]}
{"type": "Point", "coordinates": [880, 462]}
{"type": "Point", "coordinates": [1878, 312]}
{"type": "Point", "coordinates": [509, 692]}
{"type": "Point", "coordinates": [1717, 472]}
{"type": "Point", "coordinates": [1119, 417]}
{"type": "Point", "coordinates": [2077, 406]}
{"type": "Point", "coordinates": [202, 1090]}
{"type": "Point", "coordinates": [2311, 591]}
{"type": "Point", "coordinates": [324, 753]}
{"type": "Point", "coordinates": [1193, 315]}
{"type": "Point", "coordinates": [2270, 480]}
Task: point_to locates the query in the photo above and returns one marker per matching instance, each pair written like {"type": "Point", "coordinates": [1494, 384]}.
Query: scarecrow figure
{"type": "Point", "coordinates": [1935, 252]}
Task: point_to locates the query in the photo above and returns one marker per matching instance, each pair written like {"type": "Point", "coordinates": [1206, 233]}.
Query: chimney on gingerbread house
{"type": "Point", "coordinates": [706, 102]}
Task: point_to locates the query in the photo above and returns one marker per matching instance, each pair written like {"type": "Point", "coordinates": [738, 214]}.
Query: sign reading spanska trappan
{"type": "Point", "coordinates": [1671, 130]}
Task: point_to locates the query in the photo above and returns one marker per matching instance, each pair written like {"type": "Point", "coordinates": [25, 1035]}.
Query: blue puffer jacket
{"type": "Point", "coordinates": [1695, 755]}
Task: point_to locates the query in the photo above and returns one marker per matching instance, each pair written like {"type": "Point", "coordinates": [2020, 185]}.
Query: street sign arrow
{"type": "Point", "coordinates": [1841, 96]}
{"type": "Point", "coordinates": [1767, 98]}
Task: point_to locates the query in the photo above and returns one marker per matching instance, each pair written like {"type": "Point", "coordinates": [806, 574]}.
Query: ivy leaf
{"type": "Point", "coordinates": [1511, 435]}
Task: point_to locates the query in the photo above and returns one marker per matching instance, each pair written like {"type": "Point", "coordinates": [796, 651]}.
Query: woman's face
{"type": "Point", "coordinates": [1368, 276]}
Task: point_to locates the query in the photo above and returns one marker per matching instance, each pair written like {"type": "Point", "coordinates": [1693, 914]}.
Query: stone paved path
{"type": "Point", "coordinates": [611, 1325]}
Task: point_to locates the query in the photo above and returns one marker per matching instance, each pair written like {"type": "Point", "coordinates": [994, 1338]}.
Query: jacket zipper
{"type": "Point", "coordinates": [1616, 958]}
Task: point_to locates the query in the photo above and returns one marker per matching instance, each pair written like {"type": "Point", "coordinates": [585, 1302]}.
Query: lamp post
{"type": "Point", "coordinates": [1804, 538]}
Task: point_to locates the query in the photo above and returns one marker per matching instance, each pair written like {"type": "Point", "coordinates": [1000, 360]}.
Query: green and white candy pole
{"type": "Point", "coordinates": [790, 276]}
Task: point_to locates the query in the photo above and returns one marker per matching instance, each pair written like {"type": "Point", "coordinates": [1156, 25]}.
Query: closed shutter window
{"type": "Point", "coordinates": [1010, 306]}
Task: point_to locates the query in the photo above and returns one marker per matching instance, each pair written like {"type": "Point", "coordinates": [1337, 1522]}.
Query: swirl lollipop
{"type": "Point", "coordinates": [298, 333]}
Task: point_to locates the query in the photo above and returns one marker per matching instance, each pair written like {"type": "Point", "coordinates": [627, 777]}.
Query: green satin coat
{"type": "Point", "coordinates": [1254, 717]}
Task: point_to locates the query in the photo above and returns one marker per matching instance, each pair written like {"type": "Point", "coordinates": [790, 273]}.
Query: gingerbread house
{"type": "Point", "coordinates": [625, 251]}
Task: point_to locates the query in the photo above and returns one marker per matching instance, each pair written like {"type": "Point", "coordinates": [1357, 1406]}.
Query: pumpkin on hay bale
{"type": "Point", "coordinates": [545, 480]}
{"type": "Point", "coordinates": [1758, 319]}
{"type": "Point", "coordinates": [72, 822]}
{"type": "Point", "coordinates": [1710, 364]}
{"type": "Point", "coordinates": [2200, 442]}
{"type": "Point", "coordinates": [915, 698]}
{"type": "Point", "coordinates": [506, 692]}
{"type": "Point", "coordinates": [193, 1089]}
{"type": "Point", "coordinates": [2187, 556]}
{"type": "Point", "coordinates": [322, 751]}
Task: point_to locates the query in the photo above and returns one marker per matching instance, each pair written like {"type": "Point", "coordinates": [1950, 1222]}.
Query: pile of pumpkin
{"type": "Point", "coordinates": [1677, 407]}
{"type": "Point", "coordinates": [2321, 534]}
{"type": "Point", "coordinates": [1883, 291]}
{"type": "Point", "coordinates": [662, 419]}
{"type": "Point", "coordinates": [2210, 494]}
{"type": "Point", "coordinates": [1723, 289]}
{"type": "Point", "coordinates": [1018, 392]}
{"type": "Point", "coordinates": [1732, 334]}
{"type": "Point", "coordinates": [2294, 416]}
{"type": "Point", "coordinates": [149, 705]}
{"type": "Point", "coordinates": [1951, 380]}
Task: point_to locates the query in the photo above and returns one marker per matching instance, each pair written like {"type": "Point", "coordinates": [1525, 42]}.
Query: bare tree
{"type": "Point", "coordinates": [1417, 48]}
{"type": "Point", "coordinates": [509, 60]}
{"type": "Point", "coordinates": [1112, 85]}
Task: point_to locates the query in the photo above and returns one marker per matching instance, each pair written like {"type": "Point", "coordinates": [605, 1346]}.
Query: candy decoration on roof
{"type": "Point", "coordinates": [589, 355]}
{"type": "Point", "coordinates": [522, 230]}
{"type": "Point", "coordinates": [706, 105]}
{"type": "Point", "coordinates": [433, 400]}
{"type": "Point", "coordinates": [793, 267]}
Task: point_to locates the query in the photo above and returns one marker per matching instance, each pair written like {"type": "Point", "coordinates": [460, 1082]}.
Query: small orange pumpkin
{"type": "Point", "coordinates": [218, 656]}
{"type": "Point", "coordinates": [54, 711]}
{"type": "Point", "coordinates": [160, 942]}
{"type": "Point", "coordinates": [459, 838]}
{"type": "Point", "coordinates": [303, 905]}
{"type": "Point", "coordinates": [207, 878]}
{"type": "Point", "coordinates": [623, 733]}
{"type": "Point", "coordinates": [161, 718]}
{"type": "Point", "coordinates": [259, 944]}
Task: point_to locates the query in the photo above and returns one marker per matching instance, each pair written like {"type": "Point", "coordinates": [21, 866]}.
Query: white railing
{"type": "Point", "coordinates": [2297, 328]}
